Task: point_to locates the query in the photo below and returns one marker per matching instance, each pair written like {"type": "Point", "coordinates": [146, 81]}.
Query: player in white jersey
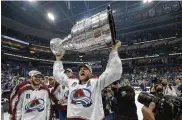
{"type": "Point", "coordinates": [62, 91]}
{"type": "Point", "coordinates": [60, 95]}
{"type": "Point", "coordinates": [13, 95]}
{"type": "Point", "coordinates": [52, 83]}
{"type": "Point", "coordinates": [33, 101]}
{"type": "Point", "coordinates": [84, 100]}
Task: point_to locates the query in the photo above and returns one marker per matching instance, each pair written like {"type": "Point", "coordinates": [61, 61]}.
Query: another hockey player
{"type": "Point", "coordinates": [33, 101]}
{"type": "Point", "coordinates": [13, 95]}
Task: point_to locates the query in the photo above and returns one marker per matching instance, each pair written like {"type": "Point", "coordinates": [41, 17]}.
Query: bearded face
{"type": "Point", "coordinates": [84, 74]}
{"type": "Point", "coordinates": [36, 80]}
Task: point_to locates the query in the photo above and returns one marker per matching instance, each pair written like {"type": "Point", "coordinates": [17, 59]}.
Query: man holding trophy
{"type": "Point", "coordinates": [84, 100]}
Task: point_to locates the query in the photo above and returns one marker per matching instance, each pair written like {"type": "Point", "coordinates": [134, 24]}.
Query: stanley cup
{"type": "Point", "coordinates": [89, 34]}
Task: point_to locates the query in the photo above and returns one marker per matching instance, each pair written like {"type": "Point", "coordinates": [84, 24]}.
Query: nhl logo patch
{"type": "Point", "coordinates": [27, 96]}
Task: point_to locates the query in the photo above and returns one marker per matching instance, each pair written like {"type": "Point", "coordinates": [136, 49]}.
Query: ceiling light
{"type": "Point", "coordinates": [31, 0]}
{"type": "Point", "coordinates": [113, 11]}
{"type": "Point", "coordinates": [147, 1]}
{"type": "Point", "coordinates": [51, 16]}
{"type": "Point", "coordinates": [144, 1]}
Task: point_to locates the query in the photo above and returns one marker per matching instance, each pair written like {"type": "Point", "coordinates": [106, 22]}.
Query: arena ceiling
{"type": "Point", "coordinates": [129, 16]}
{"type": "Point", "coordinates": [67, 13]}
{"type": "Point", "coordinates": [134, 20]}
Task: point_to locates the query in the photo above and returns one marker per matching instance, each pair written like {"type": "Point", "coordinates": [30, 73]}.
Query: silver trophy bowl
{"type": "Point", "coordinates": [56, 46]}
{"type": "Point", "coordinates": [90, 34]}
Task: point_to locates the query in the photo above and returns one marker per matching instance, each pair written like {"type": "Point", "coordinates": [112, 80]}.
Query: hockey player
{"type": "Point", "coordinates": [52, 83]}
{"type": "Point", "coordinates": [33, 101]}
{"type": "Point", "coordinates": [59, 96]}
{"type": "Point", "coordinates": [46, 80]}
{"type": "Point", "coordinates": [14, 92]}
{"type": "Point", "coordinates": [69, 72]}
{"type": "Point", "coordinates": [84, 100]}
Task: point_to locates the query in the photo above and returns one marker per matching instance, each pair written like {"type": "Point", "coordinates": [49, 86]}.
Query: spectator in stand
{"type": "Point", "coordinates": [143, 85]}
{"type": "Point", "coordinates": [178, 83]}
{"type": "Point", "coordinates": [180, 86]}
{"type": "Point", "coordinates": [126, 82]}
{"type": "Point", "coordinates": [13, 79]}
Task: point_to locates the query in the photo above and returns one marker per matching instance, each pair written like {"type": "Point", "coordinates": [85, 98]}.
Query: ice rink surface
{"type": "Point", "coordinates": [139, 107]}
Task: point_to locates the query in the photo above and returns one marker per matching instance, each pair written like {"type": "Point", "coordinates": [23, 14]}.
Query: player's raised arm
{"type": "Point", "coordinates": [114, 68]}
{"type": "Point", "coordinates": [58, 71]}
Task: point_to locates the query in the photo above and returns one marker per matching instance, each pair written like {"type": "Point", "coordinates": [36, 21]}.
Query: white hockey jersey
{"type": "Point", "coordinates": [33, 104]}
{"type": "Point", "coordinates": [14, 95]}
{"type": "Point", "coordinates": [61, 93]}
{"type": "Point", "coordinates": [85, 101]}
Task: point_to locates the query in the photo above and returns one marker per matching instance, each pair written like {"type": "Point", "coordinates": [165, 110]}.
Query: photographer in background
{"type": "Point", "coordinates": [108, 103]}
{"type": "Point", "coordinates": [168, 89]}
{"type": "Point", "coordinates": [155, 108]}
{"type": "Point", "coordinates": [148, 113]}
{"type": "Point", "coordinates": [157, 88]}
{"type": "Point", "coordinates": [164, 106]}
{"type": "Point", "coordinates": [126, 107]}
{"type": "Point", "coordinates": [180, 87]}
{"type": "Point", "coordinates": [178, 84]}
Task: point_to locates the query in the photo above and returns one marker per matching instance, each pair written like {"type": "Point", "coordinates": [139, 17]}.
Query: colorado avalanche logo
{"type": "Point", "coordinates": [82, 96]}
{"type": "Point", "coordinates": [35, 105]}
